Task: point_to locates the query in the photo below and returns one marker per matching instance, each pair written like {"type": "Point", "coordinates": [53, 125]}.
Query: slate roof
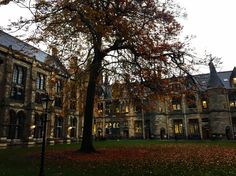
{"type": "Point", "coordinates": [7, 40]}
{"type": "Point", "coordinates": [202, 79]}
{"type": "Point", "coordinates": [214, 80]}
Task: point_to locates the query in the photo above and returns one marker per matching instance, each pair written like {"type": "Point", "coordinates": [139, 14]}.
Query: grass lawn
{"type": "Point", "coordinates": [125, 157]}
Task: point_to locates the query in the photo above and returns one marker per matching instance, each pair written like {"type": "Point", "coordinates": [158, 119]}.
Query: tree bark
{"type": "Point", "coordinates": [87, 140]}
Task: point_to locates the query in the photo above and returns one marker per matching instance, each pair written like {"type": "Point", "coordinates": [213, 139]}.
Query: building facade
{"type": "Point", "coordinates": [28, 74]}
{"type": "Point", "coordinates": [206, 111]}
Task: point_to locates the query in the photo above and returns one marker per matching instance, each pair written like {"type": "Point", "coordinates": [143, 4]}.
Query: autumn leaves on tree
{"type": "Point", "coordinates": [132, 40]}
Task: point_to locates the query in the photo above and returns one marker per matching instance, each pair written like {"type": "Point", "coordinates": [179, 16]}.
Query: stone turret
{"type": "Point", "coordinates": [219, 116]}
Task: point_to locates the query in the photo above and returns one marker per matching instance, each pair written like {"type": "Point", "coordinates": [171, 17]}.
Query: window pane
{"type": "Point", "coordinates": [20, 75]}
{"type": "Point", "coordinates": [15, 74]}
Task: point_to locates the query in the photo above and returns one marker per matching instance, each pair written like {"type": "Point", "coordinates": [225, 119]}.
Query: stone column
{"type": "Point", "coordinates": [6, 70]}
{"type": "Point", "coordinates": [29, 129]}
{"type": "Point", "coordinates": [3, 127]}
{"type": "Point", "coordinates": [50, 129]}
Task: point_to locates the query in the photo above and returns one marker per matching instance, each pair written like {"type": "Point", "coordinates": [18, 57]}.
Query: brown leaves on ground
{"type": "Point", "coordinates": [165, 154]}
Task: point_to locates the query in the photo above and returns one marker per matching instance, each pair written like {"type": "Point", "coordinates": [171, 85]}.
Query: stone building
{"type": "Point", "coordinates": [28, 74]}
{"type": "Point", "coordinates": [207, 112]}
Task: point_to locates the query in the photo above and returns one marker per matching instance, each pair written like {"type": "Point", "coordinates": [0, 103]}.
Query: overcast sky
{"type": "Point", "coordinates": [214, 25]}
{"type": "Point", "coordinates": [211, 21]}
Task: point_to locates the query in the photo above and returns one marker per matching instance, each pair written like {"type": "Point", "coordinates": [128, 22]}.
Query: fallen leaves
{"type": "Point", "coordinates": [202, 155]}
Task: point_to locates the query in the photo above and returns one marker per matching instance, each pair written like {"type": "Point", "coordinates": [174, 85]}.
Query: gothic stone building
{"type": "Point", "coordinates": [209, 112]}
{"type": "Point", "coordinates": [27, 74]}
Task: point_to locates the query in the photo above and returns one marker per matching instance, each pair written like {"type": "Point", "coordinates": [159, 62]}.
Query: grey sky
{"type": "Point", "coordinates": [211, 21]}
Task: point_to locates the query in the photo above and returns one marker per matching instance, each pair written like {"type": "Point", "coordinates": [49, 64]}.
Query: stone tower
{"type": "Point", "coordinates": [219, 115]}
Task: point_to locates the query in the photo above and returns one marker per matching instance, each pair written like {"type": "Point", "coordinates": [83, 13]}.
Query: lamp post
{"type": "Point", "coordinates": [45, 101]}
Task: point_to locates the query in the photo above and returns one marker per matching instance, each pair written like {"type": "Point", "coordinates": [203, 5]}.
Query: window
{"type": "Point", "coordinates": [38, 122]}
{"type": "Point", "coordinates": [116, 106]}
{"type": "Point", "coordinates": [73, 123]}
{"type": "Point", "coordinates": [191, 101]}
{"type": "Point", "coordinates": [225, 79]}
{"type": "Point", "coordinates": [73, 99]}
{"type": "Point", "coordinates": [138, 126]}
{"type": "Point", "coordinates": [18, 74]}
{"type": "Point", "coordinates": [175, 87]}
{"type": "Point", "coordinates": [232, 100]}
{"type": "Point", "coordinates": [126, 124]}
{"type": "Point", "coordinates": [124, 107]}
{"type": "Point", "coordinates": [204, 102]}
{"type": "Point", "coordinates": [18, 82]}
{"type": "Point", "coordinates": [193, 127]}
{"type": "Point", "coordinates": [40, 81]}
{"type": "Point", "coordinates": [176, 104]}
{"type": "Point", "coordinates": [58, 98]}
{"type": "Point", "coordinates": [234, 82]}
{"type": "Point", "coordinates": [108, 107]}
{"type": "Point", "coordinates": [16, 125]}
{"type": "Point", "coordinates": [59, 87]}
{"type": "Point", "coordinates": [39, 96]}
{"type": "Point", "coordinates": [178, 126]}
{"type": "Point", "coordinates": [58, 101]}
{"type": "Point", "coordinates": [100, 107]}
{"type": "Point", "coordinates": [58, 127]}
{"type": "Point", "coordinates": [116, 125]}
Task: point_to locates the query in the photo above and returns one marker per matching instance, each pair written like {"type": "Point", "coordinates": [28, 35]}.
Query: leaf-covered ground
{"type": "Point", "coordinates": [130, 159]}
{"type": "Point", "coordinates": [171, 159]}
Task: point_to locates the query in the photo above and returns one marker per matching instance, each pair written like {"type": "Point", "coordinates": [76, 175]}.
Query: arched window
{"type": "Point", "coordinates": [16, 125]}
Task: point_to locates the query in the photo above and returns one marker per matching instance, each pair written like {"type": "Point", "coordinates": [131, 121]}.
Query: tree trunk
{"type": "Point", "coordinates": [87, 140]}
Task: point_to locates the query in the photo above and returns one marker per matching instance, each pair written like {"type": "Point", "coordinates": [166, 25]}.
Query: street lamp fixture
{"type": "Point", "coordinates": [46, 101]}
